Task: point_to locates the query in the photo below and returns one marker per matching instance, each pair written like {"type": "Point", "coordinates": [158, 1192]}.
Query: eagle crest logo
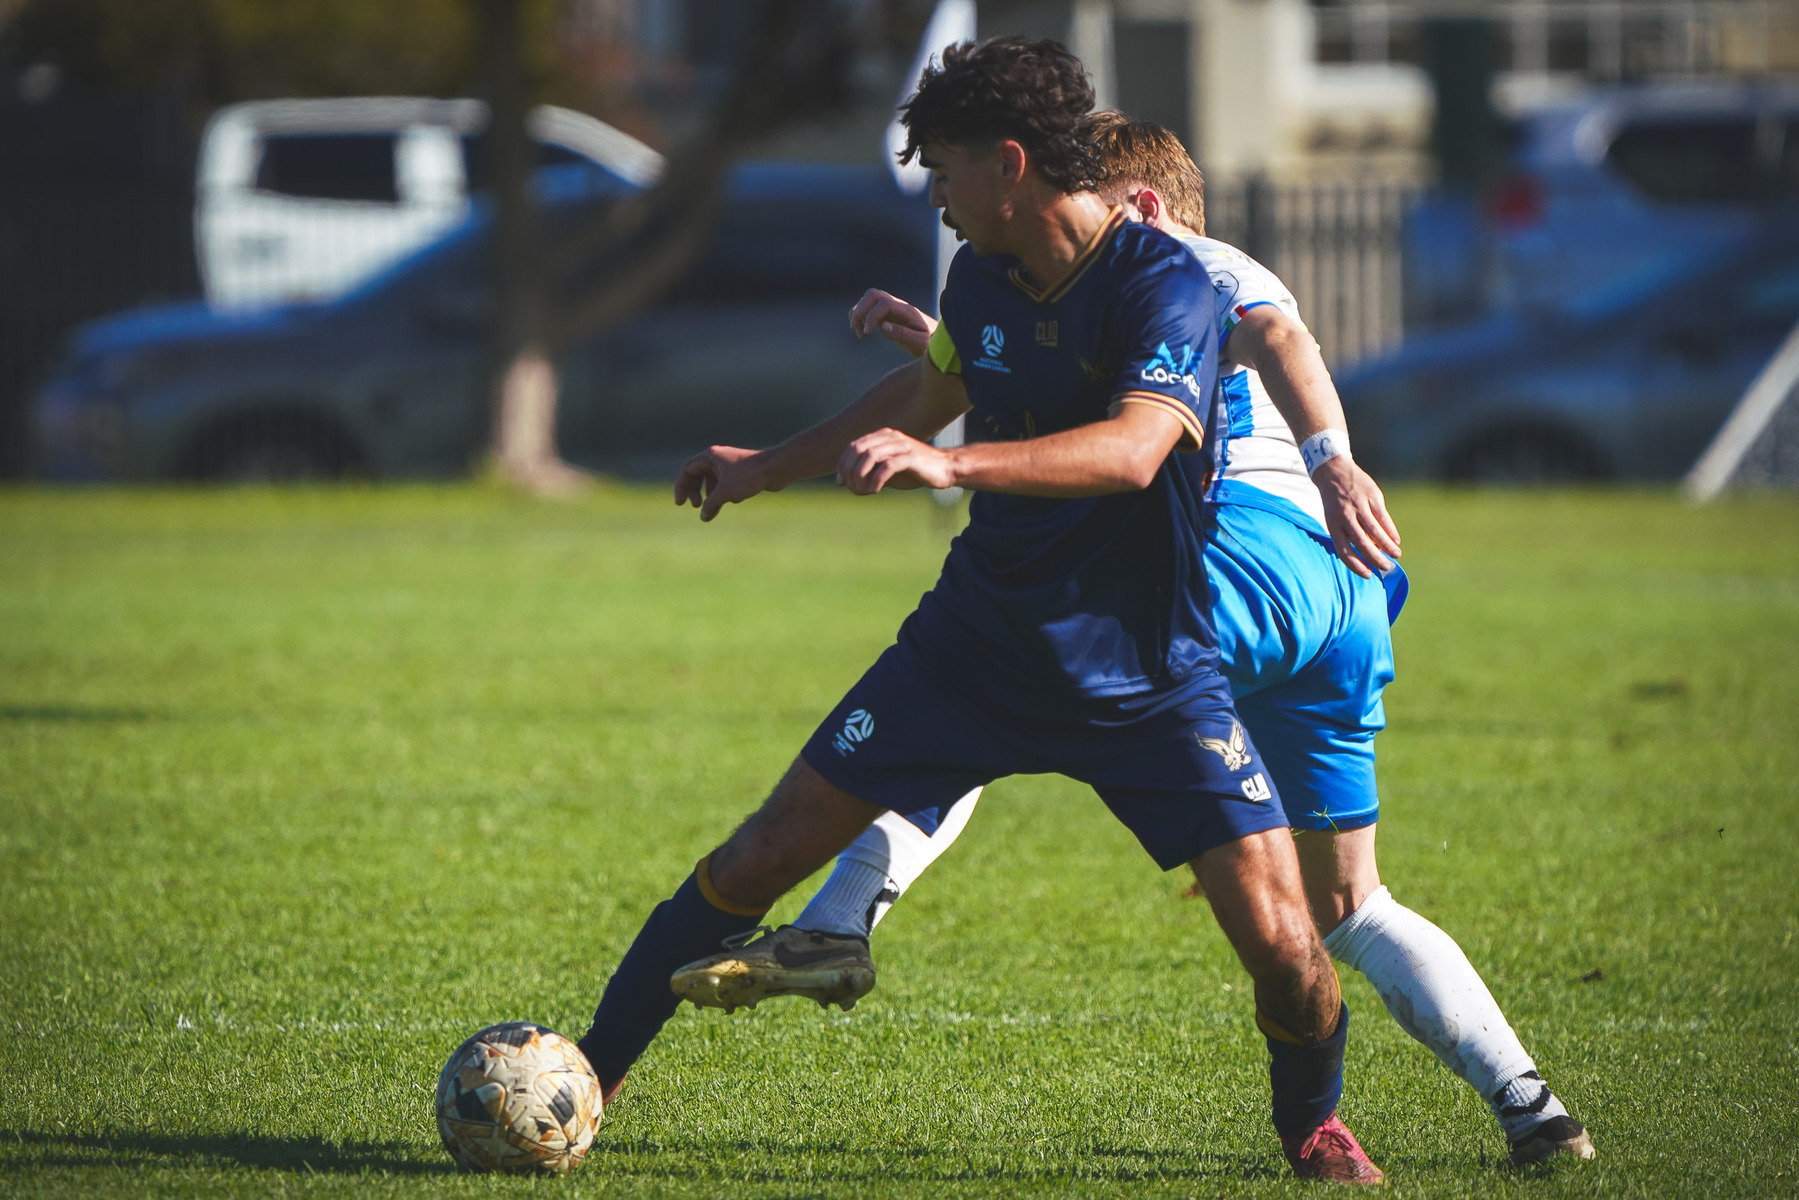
{"type": "Point", "coordinates": [1234, 753]}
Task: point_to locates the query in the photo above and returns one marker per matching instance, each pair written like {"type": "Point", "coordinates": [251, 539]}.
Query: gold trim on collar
{"type": "Point", "coordinates": [1076, 269]}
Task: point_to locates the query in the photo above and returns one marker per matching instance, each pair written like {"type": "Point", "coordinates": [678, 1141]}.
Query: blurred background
{"type": "Point", "coordinates": [1538, 241]}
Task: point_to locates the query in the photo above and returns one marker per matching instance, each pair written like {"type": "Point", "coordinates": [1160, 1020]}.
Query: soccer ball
{"type": "Point", "coordinates": [518, 1098]}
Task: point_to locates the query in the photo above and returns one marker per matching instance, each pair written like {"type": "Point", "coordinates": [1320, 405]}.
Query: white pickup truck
{"type": "Point", "coordinates": [305, 199]}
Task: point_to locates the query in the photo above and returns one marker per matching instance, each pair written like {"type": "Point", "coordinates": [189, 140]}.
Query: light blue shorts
{"type": "Point", "coordinates": [1307, 651]}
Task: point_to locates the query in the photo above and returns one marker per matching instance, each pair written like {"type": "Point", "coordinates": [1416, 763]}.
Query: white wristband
{"type": "Point", "coordinates": [1323, 446]}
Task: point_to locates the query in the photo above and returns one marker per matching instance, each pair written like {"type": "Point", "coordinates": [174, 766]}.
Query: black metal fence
{"type": "Point", "coordinates": [96, 216]}
{"type": "Point", "coordinates": [1335, 245]}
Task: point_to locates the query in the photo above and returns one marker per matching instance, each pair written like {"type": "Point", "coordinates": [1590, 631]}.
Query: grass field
{"type": "Point", "coordinates": [296, 790]}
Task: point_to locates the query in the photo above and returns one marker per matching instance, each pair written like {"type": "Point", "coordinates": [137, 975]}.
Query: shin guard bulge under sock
{"type": "Point", "coordinates": [1307, 1081]}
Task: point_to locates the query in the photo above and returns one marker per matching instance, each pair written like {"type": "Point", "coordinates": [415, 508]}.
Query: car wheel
{"type": "Point", "coordinates": [1524, 455]}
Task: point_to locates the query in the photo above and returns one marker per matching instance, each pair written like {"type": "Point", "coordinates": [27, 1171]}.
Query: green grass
{"type": "Point", "coordinates": [298, 789]}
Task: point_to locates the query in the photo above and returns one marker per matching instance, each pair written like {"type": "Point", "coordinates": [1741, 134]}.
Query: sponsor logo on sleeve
{"type": "Point", "coordinates": [1165, 368]}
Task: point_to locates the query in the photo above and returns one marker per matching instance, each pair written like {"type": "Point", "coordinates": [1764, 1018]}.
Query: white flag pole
{"type": "Point", "coordinates": [1766, 393]}
{"type": "Point", "coordinates": [951, 22]}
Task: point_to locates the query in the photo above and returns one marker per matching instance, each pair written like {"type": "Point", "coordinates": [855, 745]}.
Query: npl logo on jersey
{"type": "Point", "coordinates": [992, 342]}
{"type": "Point", "coordinates": [858, 727]}
{"type": "Point", "coordinates": [1164, 368]}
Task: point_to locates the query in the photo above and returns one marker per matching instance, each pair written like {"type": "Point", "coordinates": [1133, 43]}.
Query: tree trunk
{"type": "Point", "coordinates": [522, 384]}
{"type": "Point", "coordinates": [524, 447]}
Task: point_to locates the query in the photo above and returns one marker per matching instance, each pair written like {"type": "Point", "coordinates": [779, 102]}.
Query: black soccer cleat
{"type": "Point", "coordinates": [1555, 1138]}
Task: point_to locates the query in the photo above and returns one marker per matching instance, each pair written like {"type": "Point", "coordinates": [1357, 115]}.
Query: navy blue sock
{"type": "Point", "coordinates": [637, 1001]}
{"type": "Point", "coordinates": [1308, 1080]}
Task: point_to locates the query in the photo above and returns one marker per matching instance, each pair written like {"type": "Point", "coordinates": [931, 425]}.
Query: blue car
{"type": "Point", "coordinates": [1608, 186]}
{"type": "Point", "coordinates": [1623, 385]}
{"type": "Point", "coordinates": [389, 380]}
{"type": "Point", "coordinates": [1637, 184]}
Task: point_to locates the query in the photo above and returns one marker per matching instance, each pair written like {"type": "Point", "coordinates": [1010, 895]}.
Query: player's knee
{"type": "Point", "coordinates": [1285, 951]}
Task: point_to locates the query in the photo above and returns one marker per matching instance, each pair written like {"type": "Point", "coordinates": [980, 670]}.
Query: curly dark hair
{"type": "Point", "coordinates": [1033, 92]}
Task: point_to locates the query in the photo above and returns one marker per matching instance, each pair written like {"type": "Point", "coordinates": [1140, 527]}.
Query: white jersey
{"type": "Point", "coordinates": [1252, 445]}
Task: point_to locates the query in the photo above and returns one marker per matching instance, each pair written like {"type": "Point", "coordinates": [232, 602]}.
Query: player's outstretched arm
{"type": "Point", "coordinates": [916, 398]}
{"type": "Point", "coordinates": [1120, 454]}
{"type": "Point", "coordinates": [905, 325]}
{"type": "Point", "coordinates": [1283, 352]}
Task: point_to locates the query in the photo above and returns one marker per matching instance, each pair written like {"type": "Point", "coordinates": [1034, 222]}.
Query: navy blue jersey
{"type": "Point", "coordinates": [1103, 596]}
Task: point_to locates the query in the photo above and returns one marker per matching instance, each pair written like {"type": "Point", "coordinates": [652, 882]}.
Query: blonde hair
{"type": "Point", "coordinates": [1139, 154]}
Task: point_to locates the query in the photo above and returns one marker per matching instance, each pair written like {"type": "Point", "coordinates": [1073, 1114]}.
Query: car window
{"type": "Point", "coordinates": [477, 159]}
{"type": "Point", "coordinates": [329, 166]}
{"type": "Point", "coordinates": [549, 154]}
{"type": "Point", "coordinates": [1689, 160]}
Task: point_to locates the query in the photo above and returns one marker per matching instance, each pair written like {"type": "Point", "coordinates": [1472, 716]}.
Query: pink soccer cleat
{"type": "Point", "coordinates": [1331, 1153]}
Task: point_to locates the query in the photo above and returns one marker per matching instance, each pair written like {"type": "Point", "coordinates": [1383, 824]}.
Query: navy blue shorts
{"type": "Point", "coordinates": [1183, 778]}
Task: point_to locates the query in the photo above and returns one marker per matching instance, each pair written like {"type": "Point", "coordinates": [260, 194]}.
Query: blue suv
{"type": "Point", "coordinates": [1620, 187]}
{"type": "Point", "coordinates": [1633, 186]}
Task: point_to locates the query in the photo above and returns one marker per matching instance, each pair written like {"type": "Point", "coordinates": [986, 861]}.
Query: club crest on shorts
{"type": "Point", "coordinates": [1233, 751]}
{"type": "Point", "coordinates": [858, 727]}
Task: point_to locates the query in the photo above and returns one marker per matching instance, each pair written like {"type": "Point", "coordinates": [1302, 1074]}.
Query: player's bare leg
{"type": "Point", "coordinates": [803, 823]}
{"type": "Point", "coordinates": [770, 852]}
{"type": "Point", "coordinates": [1253, 885]}
{"type": "Point", "coordinates": [1433, 991]}
{"type": "Point", "coordinates": [1339, 871]}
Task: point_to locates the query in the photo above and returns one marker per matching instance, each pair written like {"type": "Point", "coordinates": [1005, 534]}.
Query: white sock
{"type": "Point", "coordinates": [1437, 996]}
{"type": "Point", "coordinates": [851, 900]}
{"type": "Point", "coordinates": [877, 868]}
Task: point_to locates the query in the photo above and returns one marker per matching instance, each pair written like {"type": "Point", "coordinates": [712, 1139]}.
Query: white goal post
{"type": "Point", "coordinates": [1752, 418]}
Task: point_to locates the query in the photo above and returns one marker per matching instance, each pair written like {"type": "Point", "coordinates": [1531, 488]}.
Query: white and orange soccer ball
{"type": "Point", "coordinates": [520, 1099]}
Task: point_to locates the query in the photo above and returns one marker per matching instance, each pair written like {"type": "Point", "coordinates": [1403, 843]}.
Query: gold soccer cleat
{"type": "Point", "coordinates": [827, 967]}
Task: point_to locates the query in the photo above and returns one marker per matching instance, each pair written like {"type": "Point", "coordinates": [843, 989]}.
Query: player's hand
{"type": "Point", "coordinates": [889, 458]}
{"type": "Point", "coordinates": [717, 476]}
{"type": "Point", "coordinates": [1355, 513]}
{"type": "Point", "coordinates": [900, 323]}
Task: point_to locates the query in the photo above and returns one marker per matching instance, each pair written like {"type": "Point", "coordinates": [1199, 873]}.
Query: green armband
{"type": "Point", "coordinates": [942, 352]}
